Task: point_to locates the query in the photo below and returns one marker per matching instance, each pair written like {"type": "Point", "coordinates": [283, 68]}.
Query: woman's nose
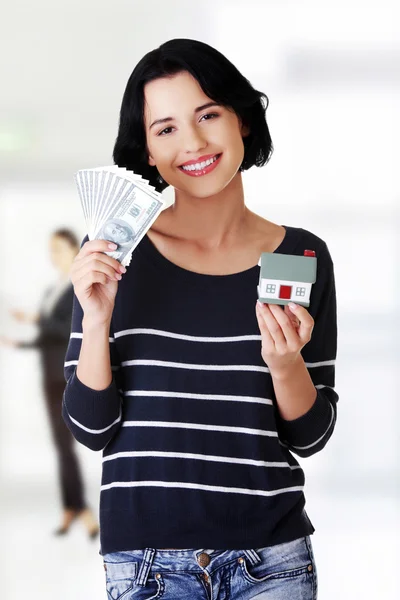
{"type": "Point", "coordinates": [193, 140]}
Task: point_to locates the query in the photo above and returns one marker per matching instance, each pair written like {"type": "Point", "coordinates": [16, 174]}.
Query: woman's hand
{"type": "Point", "coordinates": [6, 341]}
{"type": "Point", "coordinates": [283, 334]}
{"type": "Point", "coordinates": [23, 317]}
{"type": "Point", "coordinates": [95, 277]}
{"type": "Point", "coordinates": [19, 315]}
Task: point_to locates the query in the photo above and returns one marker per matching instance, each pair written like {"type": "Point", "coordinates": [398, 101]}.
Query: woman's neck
{"type": "Point", "coordinates": [209, 222]}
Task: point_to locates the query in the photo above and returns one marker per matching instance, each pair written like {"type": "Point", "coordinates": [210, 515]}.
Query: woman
{"type": "Point", "coordinates": [198, 395]}
{"type": "Point", "coordinates": [54, 322]}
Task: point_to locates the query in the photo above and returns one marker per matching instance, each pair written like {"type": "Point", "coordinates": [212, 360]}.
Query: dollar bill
{"type": "Point", "coordinates": [118, 206]}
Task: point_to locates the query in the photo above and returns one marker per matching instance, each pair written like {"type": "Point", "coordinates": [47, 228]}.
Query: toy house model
{"type": "Point", "coordinates": [287, 278]}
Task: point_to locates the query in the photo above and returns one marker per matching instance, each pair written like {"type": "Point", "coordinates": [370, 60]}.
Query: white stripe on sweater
{"type": "Point", "coordinates": [193, 338]}
{"type": "Point", "coordinates": [71, 363]}
{"type": "Point", "coordinates": [322, 363]}
{"type": "Point", "coordinates": [322, 436]}
{"type": "Point", "coordinates": [200, 426]}
{"type": "Point", "coordinates": [225, 397]}
{"type": "Point", "coordinates": [198, 486]}
{"type": "Point", "coordinates": [79, 336]}
{"type": "Point", "coordinates": [190, 338]}
{"type": "Point", "coordinates": [206, 457]}
{"type": "Point", "coordinates": [95, 431]}
{"type": "Point", "coordinates": [178, 365]}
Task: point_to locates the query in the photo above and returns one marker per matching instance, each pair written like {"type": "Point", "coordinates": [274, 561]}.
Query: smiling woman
{"type": "Point", "coordinates": [198, 398]}
{"type": "Point", "coordinates": [196, 142]}
{"type": "Point", "coordinates": [209, 87]}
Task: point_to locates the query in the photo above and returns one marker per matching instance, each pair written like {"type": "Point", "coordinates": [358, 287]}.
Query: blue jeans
{"type": "Point", "coordinates": [281, 572]}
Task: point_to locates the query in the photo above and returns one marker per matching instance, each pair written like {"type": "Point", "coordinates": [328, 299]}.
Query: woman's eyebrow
{"type": "Point", "coordinates": [196, 110]}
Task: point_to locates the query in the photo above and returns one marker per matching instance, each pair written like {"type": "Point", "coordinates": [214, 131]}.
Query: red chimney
{"type": "Point", "coordinates": [309, 253]}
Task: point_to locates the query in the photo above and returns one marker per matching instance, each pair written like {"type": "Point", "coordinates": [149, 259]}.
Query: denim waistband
{"type": "Point", "coordinates": [151, 559]}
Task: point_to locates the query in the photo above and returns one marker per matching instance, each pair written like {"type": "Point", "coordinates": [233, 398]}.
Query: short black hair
{"type": "Point", "coordinates": [67, 235]}
{"type": "Point", "coordinates": [219, 79]}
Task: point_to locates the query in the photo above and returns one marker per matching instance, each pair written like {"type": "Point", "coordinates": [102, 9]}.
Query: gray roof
{"type": "Point", "coordinates": [289, 267]}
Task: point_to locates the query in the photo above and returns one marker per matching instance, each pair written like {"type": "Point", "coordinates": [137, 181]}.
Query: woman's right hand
{"type": "Point", "coordinates": [95, 277]}
{"type": "Point", "coordinates": [6, 341]}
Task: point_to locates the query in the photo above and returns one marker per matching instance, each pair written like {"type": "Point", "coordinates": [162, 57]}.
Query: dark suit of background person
{"type": "Point", "coordinates": [54, 325]}
{"type": "Point", "coordinates": [54, 330]}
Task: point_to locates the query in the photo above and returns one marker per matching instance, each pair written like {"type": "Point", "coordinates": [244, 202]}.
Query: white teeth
{"type": "Point", "coordinates": [199, 166]}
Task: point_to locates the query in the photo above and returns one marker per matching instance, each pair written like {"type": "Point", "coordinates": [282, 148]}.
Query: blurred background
{"type": "Point", "coordinates": [331, 71]}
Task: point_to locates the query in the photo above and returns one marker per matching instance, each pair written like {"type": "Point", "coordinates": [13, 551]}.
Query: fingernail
{"type": "Point", "coordinates": [293, 306]}
{"type": "Point", "coordinates": [112, 246]}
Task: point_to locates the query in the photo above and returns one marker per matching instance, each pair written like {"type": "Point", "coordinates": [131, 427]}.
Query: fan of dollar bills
{"type": "Point", "coordinates": [119, 206]}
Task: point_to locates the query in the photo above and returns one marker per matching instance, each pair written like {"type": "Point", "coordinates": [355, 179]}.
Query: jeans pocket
{"type": "Point", "coordinates": [120, 577]}
{"type": "Point", "coordinates": [288, 560]}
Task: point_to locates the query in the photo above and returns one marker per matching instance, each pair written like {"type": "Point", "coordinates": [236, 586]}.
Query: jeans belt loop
{"type": "Point", "coordinates": [253, 557]}
{"type": "Point", "coordinates": [145, 567]}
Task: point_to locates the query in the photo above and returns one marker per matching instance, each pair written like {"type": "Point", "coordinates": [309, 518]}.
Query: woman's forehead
{"type": "Point", "coordinates": [180, 92]}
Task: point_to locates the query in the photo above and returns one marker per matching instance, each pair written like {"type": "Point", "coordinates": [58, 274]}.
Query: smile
{"type": "Point", "coordinates": [202, 168]}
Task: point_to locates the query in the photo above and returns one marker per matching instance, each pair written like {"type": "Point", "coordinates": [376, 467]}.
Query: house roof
{"type": "Point", "coordinates": [288, 267]}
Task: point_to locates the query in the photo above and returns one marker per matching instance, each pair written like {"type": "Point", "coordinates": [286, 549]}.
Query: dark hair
{"type": "Point", "coordinates": [219, 79]}
{"type": "Point", "coordinates": [67, 235]}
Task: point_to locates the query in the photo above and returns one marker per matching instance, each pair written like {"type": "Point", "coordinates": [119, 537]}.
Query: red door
{"type": "Point", "coordinates": [285, 292]}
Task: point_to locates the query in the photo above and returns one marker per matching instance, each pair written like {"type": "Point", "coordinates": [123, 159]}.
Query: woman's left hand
{"type": "Point", "coordinates": [283, 334]}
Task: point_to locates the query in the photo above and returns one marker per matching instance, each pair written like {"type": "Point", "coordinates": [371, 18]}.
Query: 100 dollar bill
{"type": "Point", "coordinates": [129, 220]}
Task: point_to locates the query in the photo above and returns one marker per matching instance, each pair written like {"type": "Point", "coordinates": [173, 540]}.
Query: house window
{"type": "Point", "coordinates": [300, 291]}
{"type": "Point", "coordinates": [271, 288]}
{"type": "Point", "coordinates": [285, 292]}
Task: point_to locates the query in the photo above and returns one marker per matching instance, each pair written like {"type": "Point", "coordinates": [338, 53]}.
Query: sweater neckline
{"type": "Point", "coordinates": [162, 262]}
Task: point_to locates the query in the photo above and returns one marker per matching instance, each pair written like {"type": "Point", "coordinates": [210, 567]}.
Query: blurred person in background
{"type": "Point", "coordinates": [53, 321]}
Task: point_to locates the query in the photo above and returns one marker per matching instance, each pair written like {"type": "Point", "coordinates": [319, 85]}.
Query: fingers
{"type": "Point", "coordinates": [267, 339]}
{"type": "Point", "coordinates": [96, 246]}
{"type": "Point", "coordinates": [92, 258]}
{"type": "Point", "coordinates": [271, 324]}
{"type": "Point", "coordinates": [283, 329]}
{"type": "Point", "coordinates": [97, 262]}
{"type": "Point", "coordinates": [289, 334]}
{"type": "Point", "coordinates": [291, 331]}
{"type": "Point", "coordinates": [293, 319]}
{"type": "Point", "coordinates": [88, 279]}
{"type": "Point", "coordinates": [305, 320]}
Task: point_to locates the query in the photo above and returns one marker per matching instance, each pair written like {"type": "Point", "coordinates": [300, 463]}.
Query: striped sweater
{"type": "Point", "coordinates": [195, 453]}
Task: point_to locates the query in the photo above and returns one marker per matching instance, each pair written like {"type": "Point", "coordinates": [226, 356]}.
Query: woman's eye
{"type": "Point", "coordinates": [210, 115]}
{"type": "Point", "coordinates": [166, 129]}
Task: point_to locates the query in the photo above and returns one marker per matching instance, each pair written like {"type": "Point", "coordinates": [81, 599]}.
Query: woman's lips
{"type": "Point", "coordinates": [205, 171]}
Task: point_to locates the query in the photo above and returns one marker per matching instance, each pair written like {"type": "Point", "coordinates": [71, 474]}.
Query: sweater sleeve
{"type": "Point", "coordinates": [309, 433]}
{"type": "Point", "coordinates": [93, 416]}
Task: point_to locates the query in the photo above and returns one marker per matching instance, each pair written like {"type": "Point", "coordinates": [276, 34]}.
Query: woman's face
{"type": "Point", "coordinates": [191, 134]}
{"type": "Point", "coordinates": [62, 253]}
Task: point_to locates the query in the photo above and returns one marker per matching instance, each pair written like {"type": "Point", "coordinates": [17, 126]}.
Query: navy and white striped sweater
{"type": "Point", "coordinates": [195, 453]}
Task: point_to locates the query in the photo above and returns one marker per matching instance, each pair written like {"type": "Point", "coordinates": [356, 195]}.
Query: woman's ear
{"type": "Point", "coordinates": [245, 130]}
{"type": "Point", "coordinates": [151, 161]}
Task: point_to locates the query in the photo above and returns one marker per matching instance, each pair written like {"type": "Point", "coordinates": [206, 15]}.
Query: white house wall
{"type": "Point", "coordinates": [278, 282]}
